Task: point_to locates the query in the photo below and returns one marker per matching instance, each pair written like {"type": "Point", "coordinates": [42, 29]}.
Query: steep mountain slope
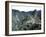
{"type": "Point", "coordinates": [22, 20]}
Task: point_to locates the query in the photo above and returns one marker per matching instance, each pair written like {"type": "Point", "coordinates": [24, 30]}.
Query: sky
{"type": "Point", "coordinates": [26, 8]}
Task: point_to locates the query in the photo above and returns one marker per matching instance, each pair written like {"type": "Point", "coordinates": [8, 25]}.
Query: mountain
{"type": "Point", "coordinates": [22, 20]}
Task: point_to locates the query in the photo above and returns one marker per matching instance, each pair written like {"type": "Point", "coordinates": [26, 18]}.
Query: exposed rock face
{"type": "Point", "coordinates": [30, 20]}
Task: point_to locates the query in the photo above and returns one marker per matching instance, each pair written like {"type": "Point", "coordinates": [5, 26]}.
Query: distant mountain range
{"type": "Point", "coordinates": [26, 13]}
{"type": "Point", "coordinates": [29, 13]}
